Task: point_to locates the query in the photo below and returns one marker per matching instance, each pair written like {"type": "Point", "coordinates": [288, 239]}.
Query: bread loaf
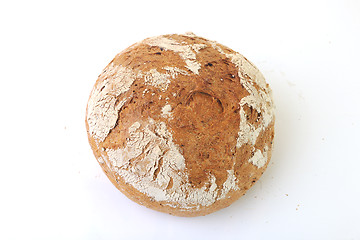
{"type": "Point", "coordinates": [181, 124]}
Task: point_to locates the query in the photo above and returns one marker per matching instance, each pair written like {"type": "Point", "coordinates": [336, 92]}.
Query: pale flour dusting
{"type": "Point", "coordinates": [193, 65]}
{"type": "Point", "coordinates": [259, 99]}
{"type": "Point", "coordinates": [185, 51]}
{"type": "Point", "coordinates": [198, 46]}
{"type": "Point", "coordinates": [152, 163]}
{"type": "Point", "coordinates": [156, 79]}
{"type": "Point", "coordinates": [174, 71]}
{"type": "Point", "coordinates": [260, 158]}
{"type": "Point", "coordinates": [166, 111]}
{"type": "Point", "coordinates": [229, 184]}
{"type": "Point", "coordinates": [102, 108]}
{"type": "Point", "coordinates": [161, 80]}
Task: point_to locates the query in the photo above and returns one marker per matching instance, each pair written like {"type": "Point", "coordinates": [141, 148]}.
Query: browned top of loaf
{"type": "Point", "coordinates": [201, 100]}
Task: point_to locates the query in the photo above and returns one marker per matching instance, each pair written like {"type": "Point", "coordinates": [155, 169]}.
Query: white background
{"type": "Point", "coordinates": [51, 53]}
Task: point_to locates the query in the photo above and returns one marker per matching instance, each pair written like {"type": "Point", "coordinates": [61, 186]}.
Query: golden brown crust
{"type": "Point", "coordinates": [199, 101]}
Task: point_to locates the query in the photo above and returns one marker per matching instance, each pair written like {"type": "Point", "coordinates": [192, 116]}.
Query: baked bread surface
{"type": "Point", "coordinates": [181, 124]}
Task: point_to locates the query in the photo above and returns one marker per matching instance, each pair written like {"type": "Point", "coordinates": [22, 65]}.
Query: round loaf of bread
{"type": "Point", "coordinates": [181, 124]}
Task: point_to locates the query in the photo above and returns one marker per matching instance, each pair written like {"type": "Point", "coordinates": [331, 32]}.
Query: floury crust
{"type": "Point", "coordinates": [181, 124]}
